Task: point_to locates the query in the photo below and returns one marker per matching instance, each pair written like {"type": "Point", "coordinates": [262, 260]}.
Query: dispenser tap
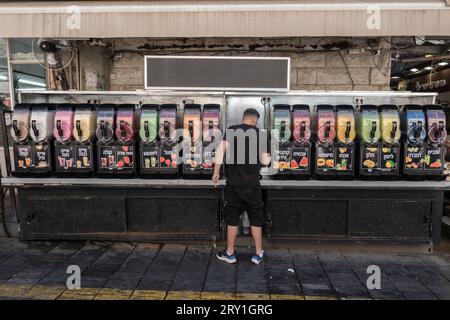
{"type": "Point", "coordinates": [394, 129]}
{"type": "Point", "coordinates": [347, 130]}
{"type": "Point", "coordinates": [123, 133]}
{"type": "Point", "coordinates": [440, 129]}
{"type": "Point", "coordinates": [327, 130]}
{"type": "Point", "coordinates": [418, 130]}
{"type": "Point", "coordinates": [15, 126]}
{"type": "Point", "coordinates": [374, 129]}
{"type": "Point", "coordinates": [282, 130]}
{"type": "Point", "coordinates": [302, 129]}
{"type": "Point", "coordinates": [35, 129]}
{"type": "Point", "coordinates": [191, 129]}
{"type": "Point", "coordinates": [103, 126]}
{"type": "Point", "coordinates": [166, 129]}
{"type": "Point", "coordinates": [147, 132]}
{"type": "Point", "coordinates": [211, 127]}
{"type": "Point", "coordinates": [59, 129]}
{"type": "Point", "coordinates": [79, 131]}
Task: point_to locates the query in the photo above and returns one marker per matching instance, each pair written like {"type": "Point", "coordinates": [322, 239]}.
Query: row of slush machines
{"type": "Point", "coordinates": [376, 142]}
{"type": "Point", "coordinates": [333, 142]}
{"type": "Point", "coordinates": [82, 140]}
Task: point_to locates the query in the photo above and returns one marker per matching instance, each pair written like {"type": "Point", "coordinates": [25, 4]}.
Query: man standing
{"type": "Point", "coordinates": [245, 156]}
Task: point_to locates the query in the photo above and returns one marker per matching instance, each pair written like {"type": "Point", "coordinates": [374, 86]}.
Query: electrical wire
{"type": "Point", "coordinates": [348, 69]}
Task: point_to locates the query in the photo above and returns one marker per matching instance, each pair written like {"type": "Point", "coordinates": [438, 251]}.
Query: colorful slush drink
{"type": "Point", "coordinates": [105, 122]}
{"type": "Point", "coordinates": [282, 123]}
{"type": "Point", "coordinates": [390, 124]}
{"type": "Point", "coordinates": [21, 123]}
{"type": "Point", "coordinates": [63, 125]}
{"type": "Point", "coordinates": [301, 119]}
{"type": "Point", "coordinates": [211, 123]}
{"type": "Point", "coordinates": [41, 123]}
{"type": "Point", "coordinates": [125, 123]}
{"type": "Point", "coordinates": [84, 123]}
{"type": "Point", "coordinates": [415, 126]}
{"type": "Point", "coordinates": [149, 123]}
{"type": "Point", "coordinates": [326, 131]}
{"type": "Point", "coordinates": [345, 120]}
{"type": "Point", "coordinates": [436, 125]}
{"type": "Point", "coordinates": [369, 124]}
{"type": "Point", "coordinates": [192, 125]}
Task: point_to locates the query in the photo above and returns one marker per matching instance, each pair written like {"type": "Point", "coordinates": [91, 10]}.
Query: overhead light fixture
{"type": "Point", "coordinates": [429, 55]}
{"type": "Point", "coordinates": [443, 64]}
{"type": "Point", "coordinates": [395, 77]}
{"type": "Point", "coordinates": [428, 68]}
{"type": "Point", "coordinates": [414, 70]}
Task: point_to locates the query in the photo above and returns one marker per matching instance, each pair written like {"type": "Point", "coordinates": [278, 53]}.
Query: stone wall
{"type": "Point", "coordinates": [316, 63]}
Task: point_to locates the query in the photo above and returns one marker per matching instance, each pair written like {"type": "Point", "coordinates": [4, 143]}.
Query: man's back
{"type": "Point", "coordinates": [243, 157]}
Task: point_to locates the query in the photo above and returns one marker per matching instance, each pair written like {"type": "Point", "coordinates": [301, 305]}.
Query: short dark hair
{"type": "Point", "coordinates": [250, 112]}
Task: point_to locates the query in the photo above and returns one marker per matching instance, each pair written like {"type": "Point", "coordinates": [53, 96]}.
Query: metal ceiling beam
{"type": "Point", "coordinates": [234, 18]}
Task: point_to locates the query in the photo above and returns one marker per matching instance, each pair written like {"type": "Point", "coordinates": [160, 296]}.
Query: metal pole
{"type": "Point", "coordinates": [5, 144]}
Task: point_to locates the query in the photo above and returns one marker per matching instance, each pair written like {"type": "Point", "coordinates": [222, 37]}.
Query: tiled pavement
{"type": "Point", "coordinates": [37, 270]}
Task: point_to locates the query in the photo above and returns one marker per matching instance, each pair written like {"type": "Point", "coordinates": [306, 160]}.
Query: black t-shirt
{"type": "Point", "coordinates": [243, 158]}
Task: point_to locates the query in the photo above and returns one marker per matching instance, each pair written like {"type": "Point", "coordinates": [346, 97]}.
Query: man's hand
{"type": "Point", "coordinates": [215, 178]}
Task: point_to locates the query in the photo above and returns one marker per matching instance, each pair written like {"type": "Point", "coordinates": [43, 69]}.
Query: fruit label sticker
{"type": "Point", "coordinates": [414, 158]}
{"type": "Point", "coordinates": [433, 158]}
{"type": "Point", "coordinates": [150, 156]}
{"type": "Point", "coordinates": [370, 158]}
{"type": "Point", "coordinates": [23, 157]}
{"type": "Point", "coordinates": [193, 158]}
{"type": "Point", "coordinates": [83, 157]}
{"type": "Point", "coordinates": [125, 157]}
{"type": "Point", "coordinates": [64, 157]}
{"type": "Point", "coordinates": [168, 157]}
{"type": "Point", "coordinates": [281, 159]}
{"type": "Point", "coordinates": [344, 158]}
{"type": "Point", "coordinates": [107, 157]}
{"type": "Point", "coordinates": [300, 158]}
{"type": "Point", "coordinates": [389, 158]}
{"type": "Point", "coordinates": [208, 159]}
{"type": "Point", "coordinates": [41, 156]}
{"type": "Point", "coordinates": [325, 158]}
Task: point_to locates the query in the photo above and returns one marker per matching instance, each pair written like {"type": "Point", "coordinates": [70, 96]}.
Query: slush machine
{"type": "Point", "coordinates": [169, 155]}
{"type": "Point", "coordinates": [390, 142]}
{"type": "Point", "coordinates": [149, 146]}
{"type": "Point", "coordinates": [414, 150]}
{"type": "Point", "coordinates": [192, 141]}
{"type": "Point", "coordinates": [41, 123]}
{"type": "Point", "coordinates": [300, 165]}
{"type": "Point", "coordinates": [20, 132]}
{"type": "Point", "coordinates": [211, 136]}
{"type": "Point", "coordinates": [106, 155]}
{"type": "Point", "coordinates": [62, 132]}
{"type": "Point", "coordinates": [369, 138]}
{"type": "Point", "coordinates": [281, 136]}
{"type": "Point", "coordinates": [84, 139]}
{"type": "Point", "coordinates": [434, 148]}
{"type": "Point", "coordinates": [325, 146]}
{"type": "Point", "coordinates": [125, 141]}
{"type": "Point", "coordinates": [345, 148]}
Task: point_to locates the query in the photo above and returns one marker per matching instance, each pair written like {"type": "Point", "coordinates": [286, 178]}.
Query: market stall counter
{"type": "Point", "coordinates": [138, 209]}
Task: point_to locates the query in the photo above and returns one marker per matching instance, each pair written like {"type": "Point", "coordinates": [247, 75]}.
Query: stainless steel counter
{"type": "Point", "coordinates": [184, 183]}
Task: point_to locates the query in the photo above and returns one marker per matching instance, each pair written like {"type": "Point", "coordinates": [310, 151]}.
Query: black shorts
{"type": "Point", "coordinates": [239, 199]}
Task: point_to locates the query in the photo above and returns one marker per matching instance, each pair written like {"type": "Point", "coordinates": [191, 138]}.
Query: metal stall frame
{"type": "Point", "coordinates": [232, 106]}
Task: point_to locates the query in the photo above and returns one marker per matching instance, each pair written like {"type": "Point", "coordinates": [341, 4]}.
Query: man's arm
{"type": "Point", "coordinates": [220, 153]}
